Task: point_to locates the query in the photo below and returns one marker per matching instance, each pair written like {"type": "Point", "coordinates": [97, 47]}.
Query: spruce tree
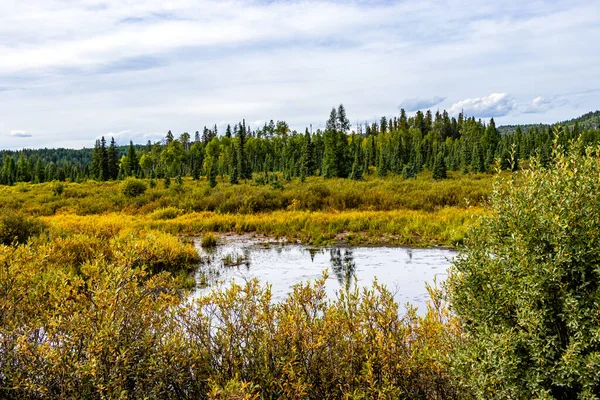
{"type": "Point", "coordinates": [132, 160]}
{"type": "Point", "coordinates": [477, 159]}
{"type": "Point", "coordinates": [242, 159]}
{"type": "Point", "coordinates": [357, 172]}
{"type": "Point", "coordinates": [439, 167]}
{"type": "Point", "coordinates": [104, 174]}
{"type": "Point", "coordinates": [212, 174]}
{"type": "Point", "coordinates": [169, 138]}
{"type": "Point", "coordinates": [113, 160]}
{"type": "Point", "coordinates": [233, 177]}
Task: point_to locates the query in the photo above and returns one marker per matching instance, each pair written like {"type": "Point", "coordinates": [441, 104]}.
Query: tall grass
{"type": "Point", "coordinates": [316, 194]}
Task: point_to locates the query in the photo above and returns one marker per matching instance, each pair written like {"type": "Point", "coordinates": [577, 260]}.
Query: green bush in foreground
{"type": "Point", "coordinates": [133, 187]}
{"type": "Point", "coordinates": [527, 286]}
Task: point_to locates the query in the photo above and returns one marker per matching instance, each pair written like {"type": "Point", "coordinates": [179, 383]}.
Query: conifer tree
{"type": "Point", "coordinates": [169, 138]}
{"type": "Point", "coordinates": [233, 177]}
{"type": "Point", "coordinates": [439, 167]}
{"type": "Point", "coordinates": [242, 160]}
{"type": "Point", "coordinates": [113, 160]}
{"type": "Point", "coordinates": [132, 165]}
{"type": "Point", "coordinates": [477, 159]}
{"type": "Point", "coordinates": [39, 171]}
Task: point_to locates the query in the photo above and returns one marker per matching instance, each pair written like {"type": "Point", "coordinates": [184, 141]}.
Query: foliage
{"type": "Point", "coordinates": [526, 287]}
{"type": "Point", "coordinates": [133, 187]}
{"type": "Point", "coordinates": [58, 188]}
{"type": "Point", "coordinates": [209, 240]}
{"type": "Point", "coordinates": [394, 146]}
{"type": "Point", "coordinates": [16, 228]}
{"type": "Point", "coordinates": [110, 330]}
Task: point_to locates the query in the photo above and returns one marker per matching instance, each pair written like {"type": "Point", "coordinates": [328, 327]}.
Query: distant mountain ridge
{"type": "Point", "coordinates": [590, 120]}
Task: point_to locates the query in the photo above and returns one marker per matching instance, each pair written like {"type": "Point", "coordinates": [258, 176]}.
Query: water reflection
{"type": "Point", "coordinates": [344, 266]}
{"type": "Point", "coordinates": [313, 252]}
{"type": "Point", "coordinates": [403, 270]}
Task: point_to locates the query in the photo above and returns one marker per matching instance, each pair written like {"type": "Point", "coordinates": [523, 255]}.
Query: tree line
{"type": "Point", "coordinates": [400, 145]}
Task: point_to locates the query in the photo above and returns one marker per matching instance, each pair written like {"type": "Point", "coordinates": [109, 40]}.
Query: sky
{"type": "Point", "coordinates": [74, 70]}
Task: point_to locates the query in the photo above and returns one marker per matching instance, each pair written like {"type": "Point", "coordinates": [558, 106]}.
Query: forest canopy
{"type": "Point", "coordinates": [400, 145]}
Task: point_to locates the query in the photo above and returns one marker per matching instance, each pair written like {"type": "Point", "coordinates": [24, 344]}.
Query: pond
{"type": "Point", "coordinates": [403, 270]}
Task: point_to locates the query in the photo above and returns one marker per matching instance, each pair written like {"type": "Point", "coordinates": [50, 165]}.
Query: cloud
{"type": "Point", "coordinates": [124, 137]}
{"type": "Point", "coordinates": [97, 66]}
{"type": "Point", "coordinates": [416, 104]}
{"type": "Point", "coordinates": [20, 134]}
{"type": "Point", "coordinates": [541, 105]}
{"type": "Point", "coordinates": [494, 105]}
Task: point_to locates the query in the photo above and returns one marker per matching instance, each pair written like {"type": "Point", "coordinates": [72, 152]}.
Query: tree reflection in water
{"type": "Point", "coordinates": [343, 266]}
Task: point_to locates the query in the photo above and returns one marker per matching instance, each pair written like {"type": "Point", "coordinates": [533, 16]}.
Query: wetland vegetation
{"type": "Point", "coordinates": [95, 278]}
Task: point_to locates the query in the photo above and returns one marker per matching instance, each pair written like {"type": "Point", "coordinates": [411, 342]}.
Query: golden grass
{"type": "Point", "coordinates": [407, 227]}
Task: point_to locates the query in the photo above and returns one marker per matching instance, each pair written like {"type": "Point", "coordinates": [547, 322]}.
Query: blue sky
{"type": "Point", "coordinates": [71, 71]}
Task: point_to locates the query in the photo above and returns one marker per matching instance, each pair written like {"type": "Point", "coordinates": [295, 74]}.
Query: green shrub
{"type": "Point", "coordinates": [209, 240]}
{"type": "Point", "coordinates": [526, 287]}
{"type": "Point", "coordinates": [58, 188]}
{"type": "Point", "coordinates": [166, 213]}
{"type": "Point", "coordinates": [17, 229]}
{"type": "Point", "coordinates": [132, 187]}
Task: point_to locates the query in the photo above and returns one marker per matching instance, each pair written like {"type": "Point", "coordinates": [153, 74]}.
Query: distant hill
{"type": "Point", "coordinates": [590, 120]}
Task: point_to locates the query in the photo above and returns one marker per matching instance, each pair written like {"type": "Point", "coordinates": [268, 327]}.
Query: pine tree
{"type": "Point", "coordinates": [132, 165]}
{"type": "Point", "coordinates": [242, 161]}
{"type": "Point", "coordinates": [212, 174]}
{"type": "Point", "coordinates": [306, 158]}
{"type": "Point", "coordinates": [439, 167]}
{"type": "Point", "coordinates": [96, 165]}
{"type": "Point", "coordinates": [113, 160]}
{"type": "Point", "coordinates": [343, 123]}
{"type": "Point", "coordinates": [477, 159]}
{"type": "Point", "coordinates": [403, 120]}
{"type": "Point", "coordinates": [383, 125]}
{"type": "Point", "coordinates": [233, 177]}
{"type": "Point", "coordinates": [356, 173]}
{"type": "Point", "coordinates": [39, 171]}
{"type": "Point", "coordinates": [169, 138]}
{"type": "Point", "coordinates": [330, 162]}
{"type": "Point", "coordinates": [104, 175]}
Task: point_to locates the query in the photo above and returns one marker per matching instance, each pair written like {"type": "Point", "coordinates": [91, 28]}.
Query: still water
{"type": "Point", "coordinates": [403, 270]}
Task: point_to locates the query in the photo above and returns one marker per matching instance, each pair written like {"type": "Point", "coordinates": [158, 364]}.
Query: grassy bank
{"type": "Point", "coordinates": [316, 194]}
{"type": "Point", "coordinates": [445, 227]}
{"type": "Point", "coordinates": [414, 212]}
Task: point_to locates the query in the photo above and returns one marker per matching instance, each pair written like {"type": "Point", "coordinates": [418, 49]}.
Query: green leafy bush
{"type": "Point", "coordinates": [16, 228]}
{"type": "Point", "coordinates": [527, 285]}
{"type": "Point", "coordinates": [132, 187]}
{"type": "Point", "coordinates": [58, 188]}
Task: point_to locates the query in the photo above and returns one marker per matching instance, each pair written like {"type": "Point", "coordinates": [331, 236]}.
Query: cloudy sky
{"type": "Point", "coordinates": [73, 70]}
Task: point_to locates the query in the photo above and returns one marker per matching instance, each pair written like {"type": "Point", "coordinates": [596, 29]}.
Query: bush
{"type": "Point", "coordinates": [58, 188]}
{"type": "Point", "coordinates": [209, 240]}
{"type": "Point", "coordinates": [527, 286]}
{"type": "Point", "coordinates": [17, 229]}
{"type": "Point", "coordinates": [132, 187]}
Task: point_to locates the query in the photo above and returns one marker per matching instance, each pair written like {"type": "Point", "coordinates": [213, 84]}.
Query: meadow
{"type": "Point", "coordinates": [416, 212]}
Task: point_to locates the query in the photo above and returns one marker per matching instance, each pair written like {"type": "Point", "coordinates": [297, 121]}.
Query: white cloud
{"type": "Point", "coordinates": [541, 105]}
{"type": "Point", "coordinates": [124, 137]}
{"type": "Point", "coordinates": [416, 104]}
{"type": "Point", "coordinates": [96, 66]}
{"type": "Point", "coordinates": [20, 134]}
{"type": "Point", "coordinates": [494, 105]}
